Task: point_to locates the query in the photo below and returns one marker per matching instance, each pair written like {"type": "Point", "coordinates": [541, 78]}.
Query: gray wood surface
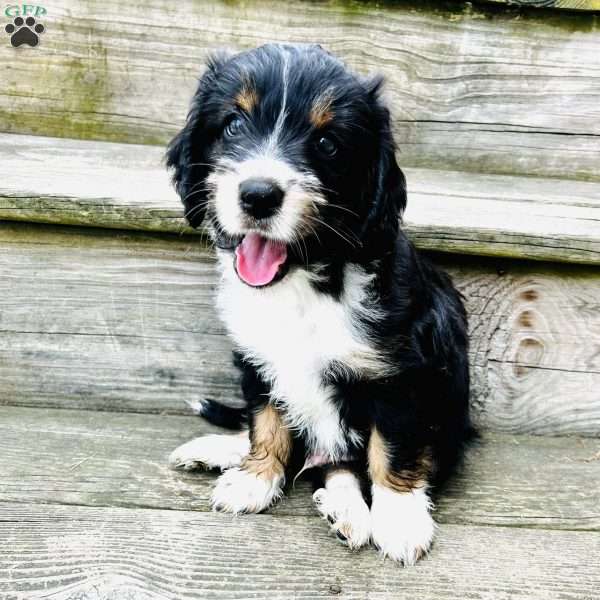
{"type": "Point", "coordinates": [112, 320]}
{"type": "Point", "coordinates": [125, 186]}
{"type": "Point", "coordinates": [592, 5]}
{"type": "Point", "coordinates": [66, 552]}
{"type": "Point", "coordinates": [91, 458]}
{"type": "Point", "coordinates": [502, 93]}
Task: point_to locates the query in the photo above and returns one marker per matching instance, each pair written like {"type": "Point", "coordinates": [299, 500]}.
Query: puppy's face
{"type": "Point", "coordinates": [290, 159]}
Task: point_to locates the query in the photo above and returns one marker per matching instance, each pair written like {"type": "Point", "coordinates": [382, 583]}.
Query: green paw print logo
{"type": "Point", "coordinates": [25, 29]}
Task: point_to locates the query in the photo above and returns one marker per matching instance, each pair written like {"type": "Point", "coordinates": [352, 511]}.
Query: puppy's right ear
{"type": "Point", "coordinates": [188, 152]}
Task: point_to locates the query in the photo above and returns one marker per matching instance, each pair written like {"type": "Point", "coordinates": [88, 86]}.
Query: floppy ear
{"type": "Point", "coordinates": [187, 153]}
{"type": "Point", "coordinates": [388, 188]}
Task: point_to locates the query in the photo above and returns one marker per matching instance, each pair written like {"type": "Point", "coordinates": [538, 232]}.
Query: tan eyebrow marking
{"type": "Point", "coordinates": [247, 98]}
{"type": "Point", "coordinates": [321, 113]}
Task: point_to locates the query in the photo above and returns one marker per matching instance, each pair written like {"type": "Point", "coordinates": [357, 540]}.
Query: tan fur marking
{"type": "Point", "coordinates": [381, 473]}
{"type": "Point", "coordinates": [321, 113]}
{"type": "Point", "coordinates": [271, 445]}
{"type": "Point", "coordinates": [247, 98]}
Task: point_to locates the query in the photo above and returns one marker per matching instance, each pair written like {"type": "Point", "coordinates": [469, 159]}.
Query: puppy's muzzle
{"type": "Point", "coordinates": [260, 198]}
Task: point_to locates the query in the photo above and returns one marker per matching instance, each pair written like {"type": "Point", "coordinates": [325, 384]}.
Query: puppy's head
{"type": "Point", "coordinates": [290, 159]}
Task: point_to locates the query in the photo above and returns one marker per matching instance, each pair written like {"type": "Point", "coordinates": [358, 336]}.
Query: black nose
{"type": "Point", "coordinates": [260, 197]}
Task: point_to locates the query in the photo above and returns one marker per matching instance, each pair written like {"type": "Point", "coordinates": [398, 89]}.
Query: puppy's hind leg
{"type": "Point", "coordinates": [215, 451]}
{"type": "Point", "coordinates": [341, 502]}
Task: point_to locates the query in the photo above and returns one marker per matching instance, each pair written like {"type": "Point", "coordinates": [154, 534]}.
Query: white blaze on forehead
{"type": "Point", "coordinates": [274, 137]}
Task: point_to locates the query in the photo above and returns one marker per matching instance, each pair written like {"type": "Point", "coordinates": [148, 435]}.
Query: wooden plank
{"type": "Point", "coordinates": [491, 215]}
{"type": "Point", "coordinates": [88, 553]}
{"type": "Point", "coordinates": [125, 186]}
{"type": "Point", "coordinates": [109, 321]}
{"type": "Point", "coordinates": [121, 321]}
{"type": "Point", "coordinates": [98, 459]}
{"type": "Point", "coordinates": [592, 5]}
{"type": "Point", "coordinates": [535, 342]}
{"type": "Point", "coordinates": [95, 184]}
{"type": "Point", "coordinates": [502, 93]}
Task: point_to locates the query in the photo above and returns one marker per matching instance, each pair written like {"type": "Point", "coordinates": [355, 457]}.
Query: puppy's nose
{"type": "Point", "coordinates": [260, 197]}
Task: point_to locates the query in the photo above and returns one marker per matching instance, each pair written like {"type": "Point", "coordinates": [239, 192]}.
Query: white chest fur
{"type": "Point", "coordinates": [296, 333]}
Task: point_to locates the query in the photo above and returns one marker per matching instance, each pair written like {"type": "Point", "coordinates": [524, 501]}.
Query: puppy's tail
{"type": "Point", "coordinates": [220, 414]}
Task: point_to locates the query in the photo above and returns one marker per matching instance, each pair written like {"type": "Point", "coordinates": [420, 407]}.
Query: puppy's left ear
{"type": "Point", "coordinates": [187, 153]}
{"type": "Point", "coordinates": [388, 187]}
{"type": "Point", "coordinates": [184, 158]}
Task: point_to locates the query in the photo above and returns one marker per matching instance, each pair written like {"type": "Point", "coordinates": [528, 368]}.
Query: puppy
{"type": "Point", "coordinates": [353, 348]}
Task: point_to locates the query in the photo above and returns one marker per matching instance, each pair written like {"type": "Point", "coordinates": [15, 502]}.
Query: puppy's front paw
{"type": "Point", "coordinates": [402, 526]}
{"type": "Point", "coordinates": [239, 491]}
{"type": "Point", "coordinates": [211, 452]}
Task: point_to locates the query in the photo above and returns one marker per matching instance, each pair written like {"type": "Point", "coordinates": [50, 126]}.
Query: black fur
{"type": "Point", "coordinates": [221, 415]}
{"type": "Point", "coordinates": [423, 403]}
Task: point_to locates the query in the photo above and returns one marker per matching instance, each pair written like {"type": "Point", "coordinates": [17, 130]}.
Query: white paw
{"type": "Point", "coordinates": [347, 512]}
{"type": "Point", "coordinates": [211, 452]}
{"type": "Point", "coordinates": [401, 524]}
{"type": "Point", "coordinates": [349, 516]}
{"type": "Point", "coordinates": [238, 491]}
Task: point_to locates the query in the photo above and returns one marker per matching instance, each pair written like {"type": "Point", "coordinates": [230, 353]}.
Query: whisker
{"type": "Point", "coordinates": [317, 187]}
{"type": "Point", "coordinates": [305, 249]}
{"type": "Point", "coordinates": [197, 184]}
{"type": "Point", "coordinates": [296, 246]}
{"type": "Point", "coordinates": [337, 232]}
{"type": "Point", "coordinates": [314, 232]}
{"type": "Point", "coordinates": [343, 208]}
{"type": "Point", "coordinates": [322, 188]}
{"type": "Point", "coordinates": [197, 207]}
{"type": "Point", "coordinates": [296, 242]}
{"type": "Point", "coordinates": [212, 166]}
{"type": "Point", "coordinates": [196, 192]}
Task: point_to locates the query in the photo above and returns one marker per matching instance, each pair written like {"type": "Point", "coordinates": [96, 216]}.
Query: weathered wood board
{"type": "Point", "coordinates": [498, 92]}
{"type": "Point", "coordinates": [121, 321]}
{"type": "Point", "coordinates": [76, 552]}
{"type": "Point", "coordinates": [593, 5]}
{"type": "Point", "coordinates": [111, 459]}
{"type": "Point", "coordinates": [126, 186]}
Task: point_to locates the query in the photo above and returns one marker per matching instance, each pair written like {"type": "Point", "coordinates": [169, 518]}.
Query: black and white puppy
{"type": "Point", "coordinates": [353, 348]}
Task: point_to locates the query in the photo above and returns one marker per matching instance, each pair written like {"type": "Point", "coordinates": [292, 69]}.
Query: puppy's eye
{"type": "Point", "coordinates": [326, 146]}
{"type": "Point", "coordinates": [233, 126]}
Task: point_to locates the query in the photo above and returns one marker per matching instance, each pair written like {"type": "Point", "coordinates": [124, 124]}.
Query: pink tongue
{"type": "Point", "coordinates": [258, 259]}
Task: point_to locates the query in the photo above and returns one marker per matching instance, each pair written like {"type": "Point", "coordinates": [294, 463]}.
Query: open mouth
{"type": "Point", "coordinates": [260, 261]}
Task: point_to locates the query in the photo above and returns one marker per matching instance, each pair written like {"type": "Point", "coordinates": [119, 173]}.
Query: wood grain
{"type": "Point", "coordinates": [593, 5]}
{"type": "Point", "coordinates": [125, 186]}
{"type": "Point", "coordinates": [497, 92]}
{"type": "Point", "coordinates": [112, 459]}
{"type": "Point", "coordinates": [121, 321]}
{"type": "Point", "coordinates": [108, 321]}
{"type": "Point", "coordinates": [76, 552]}
{"type": "Point", "coordinates": [535, 342]}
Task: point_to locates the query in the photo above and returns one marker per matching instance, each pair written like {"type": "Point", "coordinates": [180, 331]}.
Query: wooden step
{"type": "Point", "coordinates": [125, 321]}
{"type": "Point", "coordinates": [88, 499]}
{"type": "Point", "coordinates": [82, 553]}
{"type": "Point", "coordinates": [590, 5]}
{"type": "Point", "coordinates": [472, 88]}
{"type": "Point", "coordinates": [100, 458]}
{"type": "Point", "coordinates": [126, 186]}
